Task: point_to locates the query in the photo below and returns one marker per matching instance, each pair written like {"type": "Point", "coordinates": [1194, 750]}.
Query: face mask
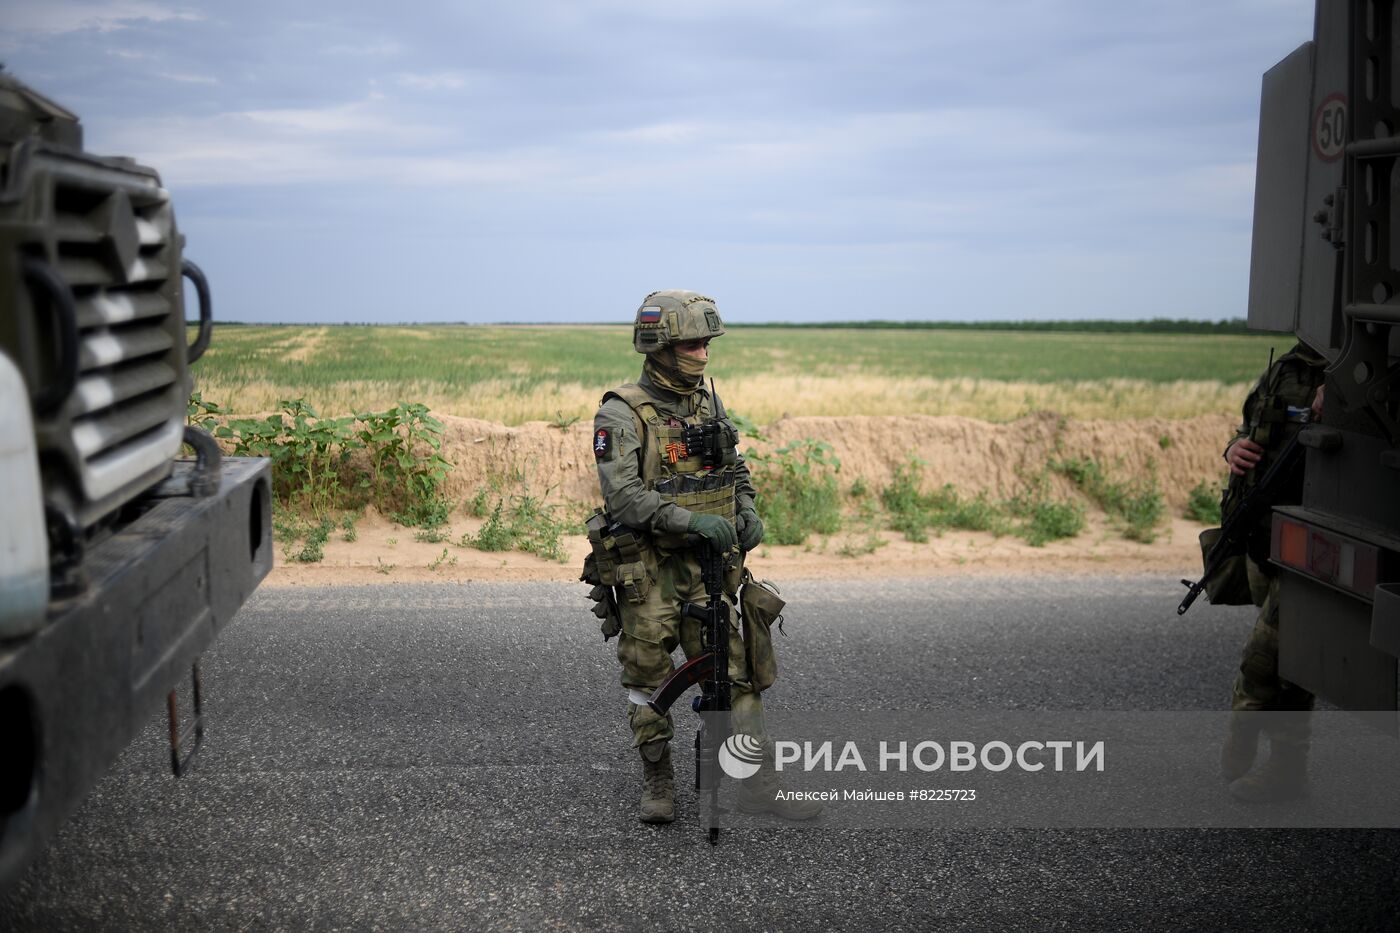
{"type": "Point", "coordinates": [690, 366]}
{"type": "Point", "coordinates": [666, 370]}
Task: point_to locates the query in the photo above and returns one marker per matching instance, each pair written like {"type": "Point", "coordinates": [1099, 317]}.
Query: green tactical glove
{"type": "Point", "coordinates": [716, 531]}
{"type": "Point", "coordinates": [750, 530]}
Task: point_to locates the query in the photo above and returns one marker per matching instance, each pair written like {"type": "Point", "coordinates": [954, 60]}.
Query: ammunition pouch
{"type": "Point", "coordinates": [709, 493]}
{"type": "Point", "coordinates": [604, 600]}
{"type": "Point", "coordinates": [761, 608]}
{"type": "Point", "coordinates": [1229, 584]}
{"type": "Point", "coordinates": [619, 557]}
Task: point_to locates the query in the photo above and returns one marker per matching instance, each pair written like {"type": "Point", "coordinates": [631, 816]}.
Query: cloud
{"type": "Point", "coordinates": [443, 80]}
{"type": "Point", "coordinates": [55, 17]}
{"type": "Point", "coordinates": [187, 78]}
{"type": "Point", "coordinates": [366, 140]}
{"type": "Point", "coordinates": [384, 49]}
{"type": "Point", "coordinates": [901, 133]}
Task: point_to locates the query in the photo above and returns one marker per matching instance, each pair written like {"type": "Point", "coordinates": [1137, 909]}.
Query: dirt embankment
{"type": "Point", "coordinates": [974, 456]}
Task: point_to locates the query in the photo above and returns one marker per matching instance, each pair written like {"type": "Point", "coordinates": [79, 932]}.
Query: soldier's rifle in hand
{"type": "Point", "coordinates": [710, 670]}
{"type": "Point", "coordinates": [1242, 520]}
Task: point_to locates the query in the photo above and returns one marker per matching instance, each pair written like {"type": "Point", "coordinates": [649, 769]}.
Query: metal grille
{"type": "Point", "coordinates": [114, 245]}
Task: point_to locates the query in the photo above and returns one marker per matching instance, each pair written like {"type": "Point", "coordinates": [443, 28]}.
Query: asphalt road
{"type": "Point", "coordinates": [456, 757]}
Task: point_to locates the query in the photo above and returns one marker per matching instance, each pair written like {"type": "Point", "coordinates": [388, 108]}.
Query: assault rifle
{"type": "Point", "coordinates": [1245, 516]}
{"type": "Point", "coordinates": [709, 669]}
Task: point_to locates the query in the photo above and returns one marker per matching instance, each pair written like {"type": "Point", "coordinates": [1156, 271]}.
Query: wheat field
{"type": "Point", "coordinates": [516, 374]}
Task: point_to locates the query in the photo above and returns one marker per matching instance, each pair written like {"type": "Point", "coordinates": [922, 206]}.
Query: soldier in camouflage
{"type": "Point", "coordinates": [1288, 395]}
{"type": "Point", "coordinates": [654, 486]}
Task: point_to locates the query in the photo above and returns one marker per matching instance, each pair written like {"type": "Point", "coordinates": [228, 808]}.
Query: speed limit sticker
{"type": "Point", "coordinates": [1329, 130]}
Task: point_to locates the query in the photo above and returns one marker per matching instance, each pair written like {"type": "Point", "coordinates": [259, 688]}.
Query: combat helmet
{"type": "Point", "coordinates": [673, 316]}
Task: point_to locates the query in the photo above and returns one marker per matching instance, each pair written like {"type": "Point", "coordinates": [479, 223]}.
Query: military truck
{"type": "Point", "coordinates": [1326, 266]}
{"type": "Point", "coordinates": [120, 560]}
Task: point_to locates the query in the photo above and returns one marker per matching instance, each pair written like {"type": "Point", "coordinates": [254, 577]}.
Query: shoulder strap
{"type": "Point", "coordinates": [637, 399]}
{"type": "Point", "coordinates": [643, 412]}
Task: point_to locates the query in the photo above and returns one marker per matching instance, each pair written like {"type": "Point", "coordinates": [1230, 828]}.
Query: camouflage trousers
{"type": "Point", "coordinates": [1258, 686]}
{"type": "Point", "coordinates": [653, 629]}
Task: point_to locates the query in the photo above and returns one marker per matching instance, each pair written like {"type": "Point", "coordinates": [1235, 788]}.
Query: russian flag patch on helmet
{"type": "Point", "coordinates": [649, 316]}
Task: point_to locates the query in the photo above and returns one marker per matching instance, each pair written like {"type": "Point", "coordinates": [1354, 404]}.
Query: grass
{"type": "Point", "coordinates": [1034, 516]}
{"type": "Point", "coordinates": [513, 374]}
{"type": "Point", "coordinates": [1203, 503]}
{"type": "Point", "coordinates": [1046, 520]}
{"type": "Point", "coordinates": [1136, 504]}
{"type": "Point", "coordinates": [368, 446]}
{"type": "Point", "coordinates": [522, 522]}
{"type": "Point", "coordinates": [915, 513]}
{"type": "Point", "coordinates": [797, 491]}
{"type": "Point", "coordinates": [859, 547]}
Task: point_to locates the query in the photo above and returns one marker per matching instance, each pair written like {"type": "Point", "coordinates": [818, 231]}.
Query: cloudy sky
{"type": "Point", "coordinates": [800, 160]}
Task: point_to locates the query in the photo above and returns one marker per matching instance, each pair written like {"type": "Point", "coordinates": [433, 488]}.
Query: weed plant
{"type": "Point", "coordinates": [1137, 505]}
{"type": "Point", "coordinates": [859, 547]}
{"type": "Point", "coordinates": [914, 512]}
{"type": "Point", "coordinates": [309, 454]}
{"type": "Point", "coordinates": [1047, 520]}
{"type": "Point", "coordinates": [311, 458]}
{"type": "Point", "coordinates": [435, 534]}
{"type": "Point", "coordinates": [313, 549]}
{"type": "Point", "coordinates": [528, 524]}
{"type": "Point", "coordinates": [205, 414]}
{"type": "Point", "coordinates": [797, 491]}
{"type": "Point", "coordinates": [403, 480]}
{"type": "Point", "coordinates": [1203, 503]}
{"type": "Point", "coordinates": [477, 506]}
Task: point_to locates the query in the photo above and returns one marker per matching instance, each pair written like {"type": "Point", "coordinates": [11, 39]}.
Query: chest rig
{"type": "Point", "coordinates": [690, 461]}
{"type": "Point", "coordinates": [1281, 404]}
{"type": "Point", "coordinates": [1277, 409]}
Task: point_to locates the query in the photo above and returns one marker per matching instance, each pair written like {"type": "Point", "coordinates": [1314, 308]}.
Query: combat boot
{"type": "Point", "coordinates": [658, 783]}
{"type": "Point", "coordinates": [1283, 777]}
{"type": "Point", "coordinates": [760, 794]}
{"type": "Point", "coordinates": [1241, 746]}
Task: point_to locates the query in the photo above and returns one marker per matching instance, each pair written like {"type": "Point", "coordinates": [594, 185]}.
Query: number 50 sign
{"type": "Point", "coordinates": [1329, 129]}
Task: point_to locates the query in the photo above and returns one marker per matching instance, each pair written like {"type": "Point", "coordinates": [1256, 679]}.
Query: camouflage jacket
{"type": "Point", "coordinates": [622, 451]}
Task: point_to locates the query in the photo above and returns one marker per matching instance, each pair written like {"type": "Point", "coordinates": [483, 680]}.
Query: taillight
{"type": "Point", "coordinates": [1293, 545]}
{"type": "Point", "coordinates": [1325, 555]}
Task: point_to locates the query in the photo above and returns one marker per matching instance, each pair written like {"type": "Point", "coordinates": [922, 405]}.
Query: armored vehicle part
{"type": "Point", "coordinates": [91, 310]}
{"type": "Point", "coordinates": [1326, 265]}
{"type": "Point", "coordinates": [122, 562]}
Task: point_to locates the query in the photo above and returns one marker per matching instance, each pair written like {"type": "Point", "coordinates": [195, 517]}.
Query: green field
{"type": "Point", "coordinates": [513, 374]}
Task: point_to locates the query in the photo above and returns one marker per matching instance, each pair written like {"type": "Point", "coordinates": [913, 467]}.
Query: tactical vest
{"type": "Point", "coordinates": [1280, 404]}
{"type": "Point", "coordinates": [679, 475]}
{"type": "Point", "coordinates": [1275, 411]}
